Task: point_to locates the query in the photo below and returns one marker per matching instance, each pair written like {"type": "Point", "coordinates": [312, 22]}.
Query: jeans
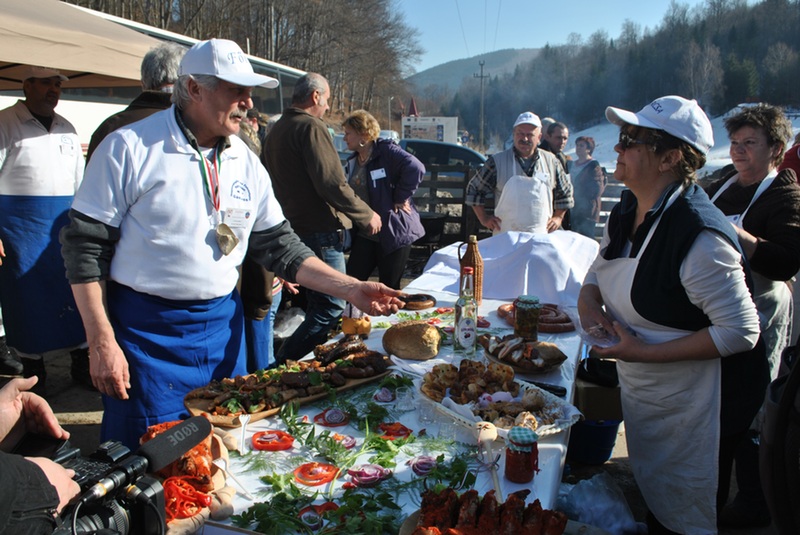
{"type": "Point", "coordinates": [260, 340]}
{"type": "Point", "coordinates": [322, 311]}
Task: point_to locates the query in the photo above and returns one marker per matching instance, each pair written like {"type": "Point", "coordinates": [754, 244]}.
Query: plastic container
{"type": "Point", "coordinates": [592, 441]}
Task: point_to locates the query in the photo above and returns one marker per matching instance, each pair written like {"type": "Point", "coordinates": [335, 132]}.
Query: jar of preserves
{"type": "Point", "coordinates": [526, 317]}
{"type": "Point", "coordinates": [522, 455]}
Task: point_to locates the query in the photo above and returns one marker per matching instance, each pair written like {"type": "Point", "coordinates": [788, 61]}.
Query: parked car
{"type": "Point", "coordinates": [338, 142]}
{"type": "Point", "coordinates": [439, 153]}
{"type": "Point", "coordinates": [390, 134]}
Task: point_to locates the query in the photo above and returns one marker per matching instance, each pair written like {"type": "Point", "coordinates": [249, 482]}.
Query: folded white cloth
{"type": "Point", "coordinates": [549, 266]}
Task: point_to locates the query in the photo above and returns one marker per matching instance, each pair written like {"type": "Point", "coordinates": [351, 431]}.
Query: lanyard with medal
{"type": "Point", "coordinates": [226, 239]}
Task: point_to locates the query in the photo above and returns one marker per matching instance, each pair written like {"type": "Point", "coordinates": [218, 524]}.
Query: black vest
{"type": "Point", "coordinates": [658, 295]}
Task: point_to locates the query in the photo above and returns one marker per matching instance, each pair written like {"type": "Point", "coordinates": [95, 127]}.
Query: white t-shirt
{"type": "Point", "coordinates": [146, 180]}
{"type": "Point", "coordinates": [35, 162]}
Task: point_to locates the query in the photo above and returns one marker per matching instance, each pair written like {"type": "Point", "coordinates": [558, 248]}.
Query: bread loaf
{"type": "Point", "coordinates": [412, 340]}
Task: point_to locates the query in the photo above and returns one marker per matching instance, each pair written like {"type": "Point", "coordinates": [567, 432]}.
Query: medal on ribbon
{"type": "Point", "coordinates": [226, 239]}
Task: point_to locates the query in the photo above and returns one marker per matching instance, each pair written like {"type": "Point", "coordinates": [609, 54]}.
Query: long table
{"type": "Point", "coordinates": [552, 448]}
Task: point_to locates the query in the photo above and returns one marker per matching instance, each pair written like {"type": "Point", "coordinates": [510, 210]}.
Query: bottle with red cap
{"type": "Point", "coordinates": [466, 320]}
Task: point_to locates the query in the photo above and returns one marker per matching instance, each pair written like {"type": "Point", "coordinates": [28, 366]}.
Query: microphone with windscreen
{"type": "Point", "coordinates": [152, 456]}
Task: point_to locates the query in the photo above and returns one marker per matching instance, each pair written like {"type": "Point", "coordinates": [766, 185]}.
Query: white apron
{"type": "Point", "coordinates": [773, 299]}
{"type": "Point", "coordinates": [671, 413]}
{"type": "Point", "coordinates": [525, 204]}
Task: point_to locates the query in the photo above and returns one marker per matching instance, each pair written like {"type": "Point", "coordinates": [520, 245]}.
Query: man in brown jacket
{"type": "Point", "coordinates": [310, 185]}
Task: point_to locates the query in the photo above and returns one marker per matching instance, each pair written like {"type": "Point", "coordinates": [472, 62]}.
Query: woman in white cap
{"type": "Point", "coordinates": [763, 206]}
{"type": "Point", "coordinates": [669, 289]}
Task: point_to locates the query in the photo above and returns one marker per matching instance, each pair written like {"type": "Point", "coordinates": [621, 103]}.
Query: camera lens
{"type": "Point", "coordinates": [106, 516]}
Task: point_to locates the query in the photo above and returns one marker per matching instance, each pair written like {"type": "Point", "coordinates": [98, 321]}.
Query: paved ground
{"type": "Point", "coordinates": [80, 411]}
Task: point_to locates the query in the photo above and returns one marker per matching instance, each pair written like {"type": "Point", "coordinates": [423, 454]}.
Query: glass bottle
{"type": "Point", "coordinates": [466, 320]}
{"type": "Point", "coordinates": [472, 258]}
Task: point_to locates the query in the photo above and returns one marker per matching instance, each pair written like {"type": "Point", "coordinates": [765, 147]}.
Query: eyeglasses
{"type": "Point", "coordinates": [626, 141]}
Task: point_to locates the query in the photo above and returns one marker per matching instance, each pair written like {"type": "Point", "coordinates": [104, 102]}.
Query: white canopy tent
{"type": "Point", "coordinates": [91, 51]}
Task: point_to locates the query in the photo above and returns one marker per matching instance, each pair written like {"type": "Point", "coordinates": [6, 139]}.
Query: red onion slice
{"type": "Point", "coordinates": [368, 475]}
{"type": "Point", "coordinates": [422, 465]}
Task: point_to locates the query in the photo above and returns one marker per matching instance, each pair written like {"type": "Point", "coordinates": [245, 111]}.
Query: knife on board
{"type": "Point", "coordinates": [556, 390]}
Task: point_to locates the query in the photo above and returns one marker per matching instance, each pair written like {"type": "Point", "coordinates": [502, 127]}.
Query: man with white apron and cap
{"type": "Point", "coordinates": [669, 283]}
{"type": "Point", "coordinates": [532, 191]}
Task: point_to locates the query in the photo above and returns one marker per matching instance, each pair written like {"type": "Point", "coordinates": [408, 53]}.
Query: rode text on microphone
{"type": "Point", "coordinates": [124, 498]}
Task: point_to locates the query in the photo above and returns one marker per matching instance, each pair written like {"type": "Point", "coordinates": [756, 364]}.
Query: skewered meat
{"type": "Point", "coordinates": [469, 514]}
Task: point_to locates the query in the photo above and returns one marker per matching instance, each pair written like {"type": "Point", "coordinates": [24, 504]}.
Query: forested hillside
{"type": "Point", "coordinates": [722, 54]}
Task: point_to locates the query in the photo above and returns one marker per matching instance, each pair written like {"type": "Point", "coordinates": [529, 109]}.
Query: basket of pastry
{"type": "Point", "coordinates": [195, 489]}
{"type": "Point", "coordinates": [472, 392]}
{"type": "Point", "coordinates": [447, 512]}
{"type": "Point", "coordinates": [337, 366]}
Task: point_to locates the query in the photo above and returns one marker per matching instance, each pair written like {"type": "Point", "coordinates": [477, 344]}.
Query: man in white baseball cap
{"type": "Point", "coordinates": [41, 166]}
{"type": "Point", "coordinates": [169, 207]}
{"type": "Point", "coordinates": [225, 60]}
{"type": "Point", "coordinates": [531, 188]}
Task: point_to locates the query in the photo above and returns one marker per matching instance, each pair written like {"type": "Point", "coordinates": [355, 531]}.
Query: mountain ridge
{"type": "Point", "coordinates": [450, 75]}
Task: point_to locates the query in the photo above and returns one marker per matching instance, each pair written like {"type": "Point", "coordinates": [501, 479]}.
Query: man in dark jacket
{"type": "Point", "coordinates": [159, 71]}
{"type": "Point", "coordinates": [310, 186]}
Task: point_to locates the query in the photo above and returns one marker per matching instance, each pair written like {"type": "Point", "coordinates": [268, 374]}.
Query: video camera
{"type": "Point", "coordinates": [118, 497]}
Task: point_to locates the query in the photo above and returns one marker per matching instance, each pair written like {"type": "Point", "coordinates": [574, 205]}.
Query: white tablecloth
{"type": "Point", "coordinates": [550, 266]}
{"type": "Point", "coordinates": [552, 449]}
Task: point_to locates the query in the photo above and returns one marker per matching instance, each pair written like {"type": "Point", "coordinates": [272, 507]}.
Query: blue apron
{"type": "Point", "coordinates": [172, 347]}
{"type": "Point", "coordinates": [39, 310]}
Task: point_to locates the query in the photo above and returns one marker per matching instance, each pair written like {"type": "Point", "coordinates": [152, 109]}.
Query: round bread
{"type": "Point", "coordinates": [412, 340]}
{"type": "Point", "coordinates": [418, 301]}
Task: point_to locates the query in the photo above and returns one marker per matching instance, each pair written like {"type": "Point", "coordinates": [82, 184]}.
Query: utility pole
{"type": "Point", "coordinates": [481, 76]}
{"type": "Point", "coordinates": [389, 105]}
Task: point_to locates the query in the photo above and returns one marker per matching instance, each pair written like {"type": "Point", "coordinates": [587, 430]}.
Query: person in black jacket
{"type": "Point", "coordinates": [32, 489]}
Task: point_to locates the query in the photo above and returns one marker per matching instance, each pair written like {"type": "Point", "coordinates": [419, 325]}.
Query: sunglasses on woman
{"type": "Point", "coordinates": [626, 141]}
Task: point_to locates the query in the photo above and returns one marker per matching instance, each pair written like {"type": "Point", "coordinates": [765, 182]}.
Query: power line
{"type": "Point", "coordinates": [461, 23]}
{"type": "Point", "coordinates": [497, 25]}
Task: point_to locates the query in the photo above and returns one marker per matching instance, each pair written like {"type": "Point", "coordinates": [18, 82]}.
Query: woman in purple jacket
{"type": "Point", "coordinates": [385, 176]}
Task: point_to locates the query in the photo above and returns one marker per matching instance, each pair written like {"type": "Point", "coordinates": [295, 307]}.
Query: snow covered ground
{"type": "Point", "coordinates": [605, 136]}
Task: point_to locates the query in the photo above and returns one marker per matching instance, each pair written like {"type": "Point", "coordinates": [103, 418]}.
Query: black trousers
{"type": "Point", "coordinates": [366, 255]}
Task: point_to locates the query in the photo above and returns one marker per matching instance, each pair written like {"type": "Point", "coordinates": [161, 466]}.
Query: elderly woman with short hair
{"type": "Point", "coordinates": [763, 207]}
{"type": "Point", "coordinates": [588, 184]}
{"type": "Point", "coordinates": [386, 176]}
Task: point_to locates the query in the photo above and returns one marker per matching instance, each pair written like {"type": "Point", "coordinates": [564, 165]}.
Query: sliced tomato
{"type": "Point", "coordinates": [434, 321]}
{"type": "Point", "coordinates": [332, 418]}
{"type": "Point", "coordinates": [325, 507]}
{"type": "Point", "coordinates": [444, 310]}
{"type": "Point", "coordinates": [483, 323]}
{"type": "Point", "coordinates": [394, 431]}
{"type": "Point", "coordinates": [181, 499]}
{"type": "Point", "coordinates": [312, 515]}
{"type": "Point", "coordinates": [314, 474]}
{"type": "Point", "coordinates": [272, 440]}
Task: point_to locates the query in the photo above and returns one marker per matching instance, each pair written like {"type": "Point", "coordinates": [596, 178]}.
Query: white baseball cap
{"type": "Point", "coordinates": [225, 60]}
{"type": "Point", "coordinates": [675, 115]}
{"type": "Point", "coordinates": [528, 117]}
{"type": "Point", "coordinates": [42, 72]}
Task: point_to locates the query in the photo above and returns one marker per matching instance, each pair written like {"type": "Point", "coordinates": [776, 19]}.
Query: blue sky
{"type": "Point", "coordinates": [457, 29]}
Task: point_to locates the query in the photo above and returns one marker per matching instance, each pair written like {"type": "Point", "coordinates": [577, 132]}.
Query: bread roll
{"type": "Point", "coordinates": [412, 340]}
